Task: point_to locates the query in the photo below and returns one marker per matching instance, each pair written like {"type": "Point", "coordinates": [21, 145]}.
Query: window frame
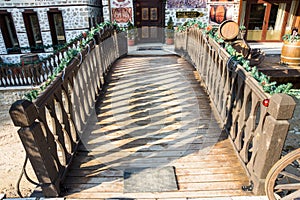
{"type": "Point", "coordinates": [7, 31]}
{"type": "Point", "coordinates": [29, 30]}
{"type": "Point", "coordinates": [54, 36]}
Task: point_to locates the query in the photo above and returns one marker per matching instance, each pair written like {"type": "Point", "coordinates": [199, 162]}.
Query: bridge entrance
{"type": "Point", "coordinates": [150, 19]}
{"type": "Point", "coordinates": [153, 116]}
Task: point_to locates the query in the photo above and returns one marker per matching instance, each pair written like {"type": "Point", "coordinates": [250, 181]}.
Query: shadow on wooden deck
{"type": "Point", "coordinates": [153, 114]}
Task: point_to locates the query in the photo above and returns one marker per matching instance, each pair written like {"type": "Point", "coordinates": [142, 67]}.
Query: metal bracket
{"type": "Point", "coordinates": [248, 188]}
{"type": "Point", "coordinates": [231, 64]}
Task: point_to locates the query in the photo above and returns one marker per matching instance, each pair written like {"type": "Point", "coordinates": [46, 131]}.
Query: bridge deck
{"type": "Point", "coordinates": [154, 114]}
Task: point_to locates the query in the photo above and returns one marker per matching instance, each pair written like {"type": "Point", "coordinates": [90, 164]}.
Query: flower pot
{"type": "Point", "coordinates": [169, 41]}
{"type": "Point", "coordinates": [130, 42]}
{"type": "Point", "coordinates": [290, 53]}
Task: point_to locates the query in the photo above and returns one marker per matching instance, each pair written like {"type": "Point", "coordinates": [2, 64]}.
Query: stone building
{"type": "Point", "coordinates": [265, 20]}
{"type": "Point", "coordinates": [28, 25]}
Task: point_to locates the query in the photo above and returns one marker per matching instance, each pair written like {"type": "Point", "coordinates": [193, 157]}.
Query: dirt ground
{"type": "Point", "coordinates": [12, 156]}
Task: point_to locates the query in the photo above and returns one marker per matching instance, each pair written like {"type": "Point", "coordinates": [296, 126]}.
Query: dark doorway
{"type": "Point", "coordinates": [266, 20]}
{"type": "Point", "coordinates": [150, 20]}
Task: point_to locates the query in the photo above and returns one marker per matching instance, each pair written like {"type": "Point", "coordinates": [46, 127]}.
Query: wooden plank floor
{"type": "Point", "coordinates": [154, 114]}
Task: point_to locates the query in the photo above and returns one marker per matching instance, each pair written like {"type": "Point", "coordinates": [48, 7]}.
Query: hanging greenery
{"type": "Point", "coordinates": [262, 79]}
{"type": "Point", "coordinates": [58, 48]}
{"type": "Point", "coordinates": [84, 39]}
{"type": "Point", "coordinates": [70, 54]}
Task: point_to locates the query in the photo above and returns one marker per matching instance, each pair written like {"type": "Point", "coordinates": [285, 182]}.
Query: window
{"type": "Point", "coordinates": [56, 27]}
{"type": "Point", "coordinates": [91, 22]}
{"type": "Point", "coordinates": [33, 31]}
{"type": "Point", "coordinates": [9, 33]}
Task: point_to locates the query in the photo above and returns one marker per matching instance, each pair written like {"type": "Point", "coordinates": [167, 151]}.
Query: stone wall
{"type": "Point", "coordinates": [106, 12]}
{"type": "Point", "coordinates": [171, 12]}
{"type": "Point", "coordinates": [8, 96]}
{"type": "Point", "coordinates": [75, 13]}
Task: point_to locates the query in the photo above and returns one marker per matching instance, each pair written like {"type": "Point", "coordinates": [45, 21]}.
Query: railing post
{"type": "Point", "coordinates": [257, 133]}
{"type": "Point", "coordinates": [271, 140]}
{"type": "Point", "coordinates": [24, 115]}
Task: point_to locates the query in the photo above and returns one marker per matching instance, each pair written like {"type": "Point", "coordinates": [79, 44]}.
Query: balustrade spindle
{"type": "Point", "coordinates": [257, 132]}
{"type": "Point", "coordinates": [51, 126]}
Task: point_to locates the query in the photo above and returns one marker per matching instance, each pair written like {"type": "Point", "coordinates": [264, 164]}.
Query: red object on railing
{"type": "Point", "coordinates": [266, 102]}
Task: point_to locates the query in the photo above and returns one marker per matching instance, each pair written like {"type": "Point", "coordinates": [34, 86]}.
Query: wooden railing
{"type": "Point", "coordinates": [38, 71]}
{"type": "Point", "coordinates": [51, 126]}
{"type": "Point", "coordinates": [257, 132]}
{"type": "Point", "coordinates": [34, 73]}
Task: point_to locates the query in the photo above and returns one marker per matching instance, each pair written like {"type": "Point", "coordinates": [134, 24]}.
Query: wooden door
{"type": "Point", "coordinates": [266, 20]}
{"type": "Point", "coordinates": [149, 18]}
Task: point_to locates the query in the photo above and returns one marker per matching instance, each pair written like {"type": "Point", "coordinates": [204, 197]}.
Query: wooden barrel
{"type": "Point", "coordinates": [290, 53]}
{"type": "Point", "coordinates": [218, 13]}
{"type": "Point", "coordinates": [228, 30]}
{"type": "Point", "coordinates": [212, 13]}
{"type": "Point", "coordinates": [29, 59]}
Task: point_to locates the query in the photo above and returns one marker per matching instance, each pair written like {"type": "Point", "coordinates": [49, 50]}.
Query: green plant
{"type": "Point", "coordinates": [170, 24]}
{"type": "Point", "coordinates": [84, 39]}
{"type": "Point", "coordinates": [170, 28]}
{"type": "Point", "coordinates": [131, 31]}
{"type": "Point", "coordinates": [262, 79]}
{"type": "Point", "coordinates": [242, 28]}
{"type": "Point", "coordinates": [291, 38]}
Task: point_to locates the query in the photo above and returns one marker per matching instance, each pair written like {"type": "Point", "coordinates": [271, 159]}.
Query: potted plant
{"type": "Point", "coordinates": [170, 32]}
{"type": "Point", "coordinates": [131, 33]}
{"type": "Point", "coordinates": [290, 52]}
{"type": "Point", "coordinates": [242, 29]}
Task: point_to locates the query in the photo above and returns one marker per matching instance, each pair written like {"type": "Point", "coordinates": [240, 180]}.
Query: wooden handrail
{"type": "Point", "coordinates": [257, 132]}
{"type": "Point", "coordinates": [33, 73]}
{"type": "Point", "coordinates": [52, 125]}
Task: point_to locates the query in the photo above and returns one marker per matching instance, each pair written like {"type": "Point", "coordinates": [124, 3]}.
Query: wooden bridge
{"type": "Point", "coordinates": [152, 127]}
{"type": "Point", "coordinates": [154, 114]}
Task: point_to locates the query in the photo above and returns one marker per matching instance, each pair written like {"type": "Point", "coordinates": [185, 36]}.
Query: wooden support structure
{"type": "Point", "coordinates": [51, 125]}
{"type": "Point", "coordinates": [257, 132]}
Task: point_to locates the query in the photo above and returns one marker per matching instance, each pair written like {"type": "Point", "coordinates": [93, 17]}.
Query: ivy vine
{"type": "Point", "coordinates": [84, 39]}
{"type": "Point", "coordinates": [261, 78]}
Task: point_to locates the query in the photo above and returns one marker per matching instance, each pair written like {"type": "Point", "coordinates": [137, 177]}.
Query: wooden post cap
{"type": "Point", "coordinates": [281, 106]}
{"type": "Point", "coordinates": [23, 113]}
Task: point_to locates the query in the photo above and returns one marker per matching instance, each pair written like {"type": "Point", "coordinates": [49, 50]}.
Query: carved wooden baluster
{"type": "Point", "coordinates": [91, 75]}
{"type": "Point", "coordinates": [24, 115]}
{"type": "Point", "coordinates": [271, 140]}
{"type": "Point", "coordinates": [2, 82]}
{"type": "Point", "coordinates": [52, 63]}
{"type": "Point", "coordinates": [41, 72]}
{"type": "Point", "coordinates": [36, 74]}
{"type": "Point", "coordinates": [44, 70]}
{"type": "Point", "coordinates": [4, 75]}
{"type": "Point", "coordinates": [14, 75]}
{"type": "Point", "coordinates": [96, 67]}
